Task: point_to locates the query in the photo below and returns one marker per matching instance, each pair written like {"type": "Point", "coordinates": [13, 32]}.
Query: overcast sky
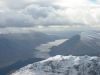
{"type": "Point", "coordinates": [50, 13]}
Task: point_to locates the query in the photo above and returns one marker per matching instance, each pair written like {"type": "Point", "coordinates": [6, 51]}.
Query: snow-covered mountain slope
{"type": "Point", "coordinates": [85, 43]}
{"type": "Point", "coordinates": [90, 37]}
{"type": "Point", "coordinates": [63, 65]}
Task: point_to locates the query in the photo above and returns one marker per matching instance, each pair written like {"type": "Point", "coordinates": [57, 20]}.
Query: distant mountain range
{"type": "Point", "coordinates": [17, 50]}
{"type": "Point", "coordinates": [85, 43]}
{"type": "Point", "coordinates": [63, 65]}
{"type": "Point", "coordinates": [20, 46]}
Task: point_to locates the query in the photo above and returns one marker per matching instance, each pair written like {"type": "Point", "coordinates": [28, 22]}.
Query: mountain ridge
{"type": "Point", "coordinates": [86, 43]}
{"type": "Point", "coordinates": [63, 65]}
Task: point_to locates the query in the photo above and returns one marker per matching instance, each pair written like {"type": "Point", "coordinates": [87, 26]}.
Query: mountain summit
{"type": "Point", "coordinates": [63, 65]}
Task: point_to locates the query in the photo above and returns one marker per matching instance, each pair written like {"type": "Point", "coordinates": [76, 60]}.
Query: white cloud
{"type": "Point", "coordinates": [12, 19]}
{"type": "Point", "coordinates": [22, 13]}
{"type": "Point", "coordinates": [75, 3]}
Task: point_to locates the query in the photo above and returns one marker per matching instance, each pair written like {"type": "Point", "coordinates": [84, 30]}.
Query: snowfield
{"type": "Point", "coordinates": [63, 65]}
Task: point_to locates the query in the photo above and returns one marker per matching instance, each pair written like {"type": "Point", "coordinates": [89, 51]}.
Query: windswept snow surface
{"type": "Point", "coordinates": [63, 65]}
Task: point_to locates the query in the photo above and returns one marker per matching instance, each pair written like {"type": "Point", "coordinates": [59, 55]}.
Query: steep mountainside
{"type": "Point", "coordinates": [63, 65]}
{"type": "Point", "coordinates": [20, 46]}
{"type": "Point", "coordinates": [85, 43]}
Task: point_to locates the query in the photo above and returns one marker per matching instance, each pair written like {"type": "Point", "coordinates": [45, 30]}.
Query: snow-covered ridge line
{"type": "Point", "coordinates": [60, 58]}
{"type": "Point", "coordinates": [63, 65]}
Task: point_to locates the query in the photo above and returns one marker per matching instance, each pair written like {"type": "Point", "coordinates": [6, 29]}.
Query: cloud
{"type": "Point", "coordinates": [29, 13]}
{"type": "Point", "coordinates": [38, 11]}
{"type": "Point", "coordinates": [12, 19]}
